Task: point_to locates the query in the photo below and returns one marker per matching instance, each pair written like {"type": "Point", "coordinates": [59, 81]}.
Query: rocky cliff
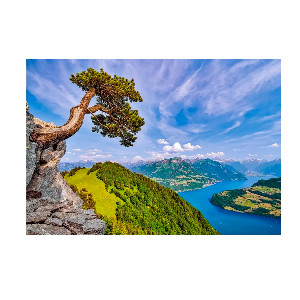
{"type": "Point", "coordinates": [51, 206]}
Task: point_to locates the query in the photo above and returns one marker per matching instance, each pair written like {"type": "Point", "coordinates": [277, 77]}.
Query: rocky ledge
{"type": "Point", "coordinates": [51, 206]}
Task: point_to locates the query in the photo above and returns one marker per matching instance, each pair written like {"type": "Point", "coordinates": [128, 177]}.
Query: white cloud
{"type": "Point", "coordinates": [215, 154]}
{"type": "Point", "coordinates": [175, 148]}
{"type": "Point", "coordinates": [189, 147]}
{"type": "Point", "coordinates": [69, 152]}
{"type": "Point", "coordinates": [275, 145]}
{"type": "Point", "coordinates": [162, 141]}
{"type": "Point", "coordinates": [77, 150]}
{"type": "Point", "coordinates": [252, 155]}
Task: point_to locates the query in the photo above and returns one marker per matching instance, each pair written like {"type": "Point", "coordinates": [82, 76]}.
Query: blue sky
{"type": "Point", "coordinates": [192, 108]}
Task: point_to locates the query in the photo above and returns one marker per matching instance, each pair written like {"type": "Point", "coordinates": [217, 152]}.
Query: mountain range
{"type": "Point", "coordinates": [257, 167]}
{"type": "Point", "coordinates": [187, 174]}
{"type": "Point", "coordinates": [68, 166]}
{"type": "Point", "coordinates": [181, 175]}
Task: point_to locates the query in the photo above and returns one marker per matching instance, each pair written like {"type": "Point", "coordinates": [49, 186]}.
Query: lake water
{"type": "Point", "coordinates": [230, 222]}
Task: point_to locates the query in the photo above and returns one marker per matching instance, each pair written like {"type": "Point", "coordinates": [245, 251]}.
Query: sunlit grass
{"type": "Point", "coordinates": [105, 202]}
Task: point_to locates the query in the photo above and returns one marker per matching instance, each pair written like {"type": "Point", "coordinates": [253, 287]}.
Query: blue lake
{"type": "Point", "coordinates": [229, 222]}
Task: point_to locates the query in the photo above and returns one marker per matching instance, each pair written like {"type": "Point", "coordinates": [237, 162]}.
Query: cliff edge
{"type": "Point", "coordinates": [51, 206]}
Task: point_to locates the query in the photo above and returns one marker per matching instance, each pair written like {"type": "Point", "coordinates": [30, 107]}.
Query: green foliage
{"type": "Point", "coordinates": [64, 173]}
{"type": "Point", "coordinates": [148, 207]}
{"type": "Point", "coordinates": [268, 195]}
{"type": "Point", "coordinates": [272, 183]}
{"type": "Point", "coordinates": [73, 171]}
{"type": "Point", "coordinates": [227, 199]}
{"type": "Point", "coordinates": [87, 198]}
{"type": "Point", "coordinates": [94, 168]}
{"type": "Point", "coordinates": [74, 188]}
{"type": "Point", "coordinates": [116, 119]}
{"type": "Point", "coordinates": [261, 211]}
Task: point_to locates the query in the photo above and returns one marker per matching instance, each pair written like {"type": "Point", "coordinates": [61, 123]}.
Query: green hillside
{"type": "Point", "coordinates": [263, 198]}
{"type": "Point", "coordinates": [131, 203]}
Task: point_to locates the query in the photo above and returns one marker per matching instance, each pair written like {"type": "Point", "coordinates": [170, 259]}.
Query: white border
{"type": "Point", "coordinates": [82, 267]}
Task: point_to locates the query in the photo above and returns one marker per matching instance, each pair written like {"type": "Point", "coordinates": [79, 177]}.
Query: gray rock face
{"type": "Point", "coordinates": [51, 206]}
{"type": "Point", "coordinates": [31, 148]}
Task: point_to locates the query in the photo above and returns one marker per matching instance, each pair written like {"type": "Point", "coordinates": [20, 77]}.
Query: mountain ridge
{"type": "Point", "coordinates": [182, 174]}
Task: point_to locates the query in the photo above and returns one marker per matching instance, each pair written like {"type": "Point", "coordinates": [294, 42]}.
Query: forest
{"type": "Point", "coordinates": [144, 206]}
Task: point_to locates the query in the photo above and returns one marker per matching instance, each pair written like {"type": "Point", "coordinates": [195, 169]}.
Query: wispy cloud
{"type": "Point", "coordinates": [229, 89]}
{"type": "Point", "coordinates": [55, 96]}
{"type": "Point", "coordinates": [275, 145]}
{"type": "Point", "coordinates": [235, 125]}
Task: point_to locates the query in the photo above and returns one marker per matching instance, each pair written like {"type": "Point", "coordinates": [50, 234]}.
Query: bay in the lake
{"type": "Point", "coordinates": [230, 222]}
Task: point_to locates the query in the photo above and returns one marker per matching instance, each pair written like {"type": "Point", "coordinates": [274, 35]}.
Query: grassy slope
{"type": "Point", "coordinates": [105, 202]}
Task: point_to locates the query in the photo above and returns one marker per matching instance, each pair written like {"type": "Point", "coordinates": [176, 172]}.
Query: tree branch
{"type": "Point", "coordinates": [97, 119]}
{"type": "Point", "coordinates": [46, 136]}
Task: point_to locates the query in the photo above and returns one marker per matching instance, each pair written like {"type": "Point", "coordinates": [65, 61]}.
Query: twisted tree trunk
{"type": "Point", "coordinates": [48, 136]}
{"type": "Point", "coordinates": [52, 207]}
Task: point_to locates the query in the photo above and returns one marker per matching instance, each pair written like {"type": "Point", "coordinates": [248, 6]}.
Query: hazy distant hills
{"type": "Point", "coordinates": [270, 168]}
{"type": "Point", "coordinates": [68, 166]}
{"type": "Point", "coordinates": [216, 170]}
{"type": "Point", "coordinates": [237, 166]}
{"type": "Point", "coordinates": [258, 167]}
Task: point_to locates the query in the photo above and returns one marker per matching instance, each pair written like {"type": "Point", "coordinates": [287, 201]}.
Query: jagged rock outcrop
{"type": "Point", "coordinates": [51, 206]}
